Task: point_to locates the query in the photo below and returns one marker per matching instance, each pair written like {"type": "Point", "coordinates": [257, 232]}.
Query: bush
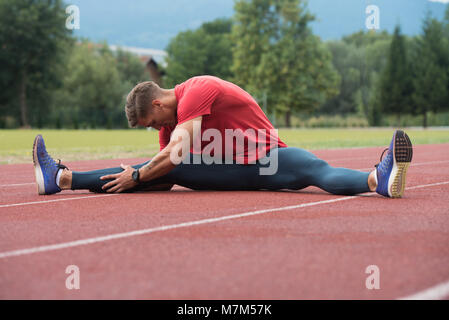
{"type": "Point", "coordinates": [8, 122]}
{"type": "Point", "coordinates": [330, 122]}
{"type": "Point", "coordinates": [433, 120]}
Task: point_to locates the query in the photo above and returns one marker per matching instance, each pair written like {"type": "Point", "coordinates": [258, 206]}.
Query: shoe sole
{"type": "Point", "coordinates": [37, 170]}
{"type": "Point", "coordinates": [403, 153]}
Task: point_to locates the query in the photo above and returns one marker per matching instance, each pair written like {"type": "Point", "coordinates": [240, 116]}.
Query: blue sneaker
{"type": "Point", "coordinates": [391, 171]}
{"type": "Point", "coordinates": [45, 168]}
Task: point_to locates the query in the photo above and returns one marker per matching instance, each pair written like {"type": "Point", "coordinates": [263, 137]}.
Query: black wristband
{"type": "Point", "coordinates": [136, 175]}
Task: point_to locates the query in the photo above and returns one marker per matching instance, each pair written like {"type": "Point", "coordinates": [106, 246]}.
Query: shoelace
{"type": "Point", "coordinates": [376, 165]}
{"type": "Point", "coordinates": [61, 166]}
{"type": "Point", "coordinates": [48, 160]}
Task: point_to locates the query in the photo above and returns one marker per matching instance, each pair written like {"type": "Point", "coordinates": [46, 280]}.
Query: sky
{"type": "Point", "coordinates": [152, 23]}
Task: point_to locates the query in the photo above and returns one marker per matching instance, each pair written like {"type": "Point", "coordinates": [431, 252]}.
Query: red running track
{"type": "Point", "coordinates": [185, 244]}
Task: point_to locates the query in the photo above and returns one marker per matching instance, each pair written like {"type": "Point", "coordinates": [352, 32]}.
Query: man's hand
{"type": "Point", "coordinates": [122, 181]}
{"type": "Point", "coordinates": [161, 163]}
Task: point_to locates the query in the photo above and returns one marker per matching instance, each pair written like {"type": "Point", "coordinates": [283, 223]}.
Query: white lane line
{"type": "Point", "coordinates": [431, 162]}
{"type": "Point", "coordinates": [16, 184]}
{"type": "Point", "coordinates": [161, 228]}
{"type": "Point", "coordinates": [343, 159]}
{"type": "Point", "coordinates": [56, 200]}
{"type": "Point", "coordinates": [179, 225]}
{"type": "Point", "coordinates": [427, 185]}
{"type": "Point", "coordinates": [438, 292]}
{"type": "Point", "coordinates": [412, 165]}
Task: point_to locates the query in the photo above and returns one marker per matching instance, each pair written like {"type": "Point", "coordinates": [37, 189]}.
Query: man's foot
{"type": "Point", "coordinates": [45, 168]}
{"type": "Point", "coordinates": [391, 171]}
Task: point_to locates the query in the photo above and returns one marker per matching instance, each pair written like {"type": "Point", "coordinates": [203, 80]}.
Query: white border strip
{"type": "Point", "coordinates": [437, 292]}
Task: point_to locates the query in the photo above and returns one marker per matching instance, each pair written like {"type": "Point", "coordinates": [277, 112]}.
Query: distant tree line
{"type": "Point", "coordinates": [268, 49]}
{"type": "Point", "coordinates": [50, 79]}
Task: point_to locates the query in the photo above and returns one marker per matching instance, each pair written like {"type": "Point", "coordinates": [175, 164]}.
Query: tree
{"type": "Point", "coordinates": [206, 50]}
{"type": "Point", "coordinates": [92, 94]}
{"type": "Point", "coordinates": [446, 48]}
{"type": "Point", "coordinates": [32, 36]}
{"type": "Point", "coordinates": [131, 69]}
{"type": "Point", "coordinates": [396, 82]}
{"type": "Point", "coordinates": [350, 63]}
{"type": "Point", "coordinates": [363, 39]}
{"type": "Point", "coordinates": [359, 59]}
{"type": "Point", "coordinates": [446, 23]}
{"type": "Point", "coordinates": [275, 53]}
{"type": "Point", "coordinates": [374, 106]}
{"type": "Point", "coordinates": [431, 70]}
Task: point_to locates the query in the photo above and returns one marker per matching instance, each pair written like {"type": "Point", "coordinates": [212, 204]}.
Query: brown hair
{"type": "Point", "coordinates": [138, 100]}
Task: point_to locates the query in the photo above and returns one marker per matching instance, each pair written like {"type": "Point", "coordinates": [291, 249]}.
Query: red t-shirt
{"type": "Point", "coordinates": [223, 106]}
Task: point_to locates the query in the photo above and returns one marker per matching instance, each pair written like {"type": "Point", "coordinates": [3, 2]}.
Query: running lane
{"type": "Point", "coordinates": [316, 251]}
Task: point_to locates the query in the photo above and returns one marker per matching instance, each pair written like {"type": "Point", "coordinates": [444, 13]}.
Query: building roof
{"type": "Point", "coordinates": [159, 56]}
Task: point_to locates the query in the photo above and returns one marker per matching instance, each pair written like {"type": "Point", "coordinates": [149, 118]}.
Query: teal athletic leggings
{"type": "Point", "coordinates": [297, 169]}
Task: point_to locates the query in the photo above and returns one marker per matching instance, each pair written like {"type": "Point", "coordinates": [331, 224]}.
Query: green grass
{"type": "Point", "coordinates": [72, 145]}
{"type": "Point", "coordinates": [349, 138]}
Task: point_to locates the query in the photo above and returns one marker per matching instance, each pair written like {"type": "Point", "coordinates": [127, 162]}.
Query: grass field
{"type": "Point", "coordinates": [72, 145]}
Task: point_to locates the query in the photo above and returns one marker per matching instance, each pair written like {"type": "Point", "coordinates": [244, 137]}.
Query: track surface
{"type": "Point", "coordinates": [228, 245]}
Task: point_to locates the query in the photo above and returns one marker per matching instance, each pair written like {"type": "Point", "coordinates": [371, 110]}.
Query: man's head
{"type": "Point", "coordinates": [148, 105]}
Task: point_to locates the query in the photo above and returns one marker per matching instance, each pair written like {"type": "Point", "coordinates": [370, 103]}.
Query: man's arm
{"type": "Point", "coordinates": [162, 163]}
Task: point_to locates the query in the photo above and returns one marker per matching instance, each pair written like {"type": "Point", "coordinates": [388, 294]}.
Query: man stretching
{"type": "Point", "coordinates": [214, 136]}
